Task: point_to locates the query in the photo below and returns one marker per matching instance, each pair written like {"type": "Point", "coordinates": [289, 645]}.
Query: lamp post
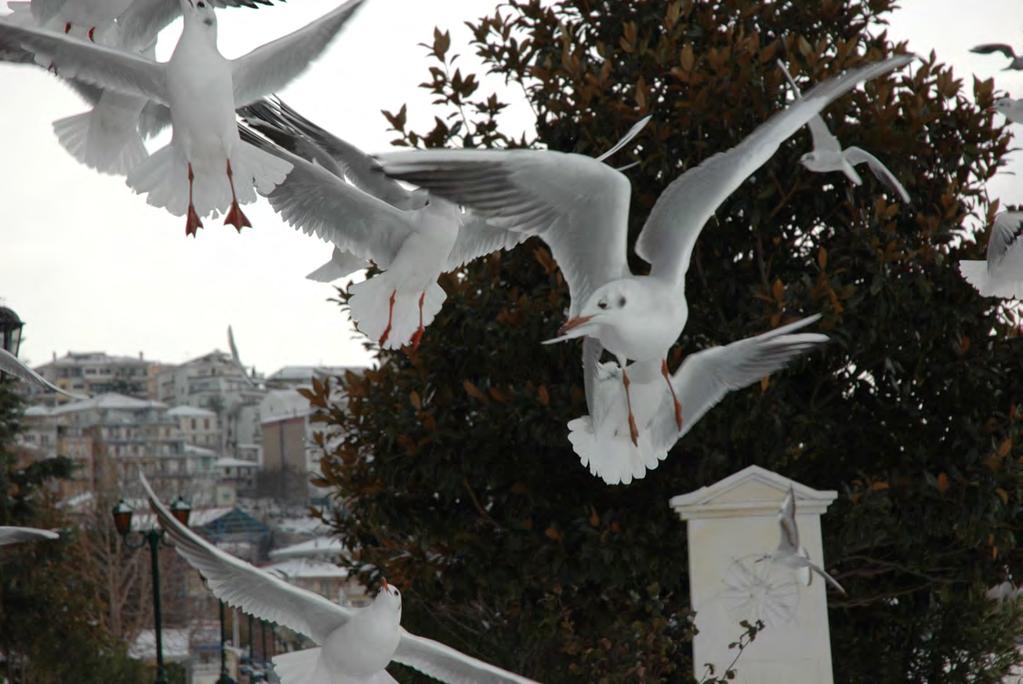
{"type": "Point", "coordinates": [122, 513]}
{"type": "Point", "coordinates": [10, 330]}
{"type": "Point", "coordinates": [224, 678]}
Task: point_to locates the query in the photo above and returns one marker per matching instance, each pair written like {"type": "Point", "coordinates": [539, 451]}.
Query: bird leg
{"type": "Point", "coordinates": [633, 430]}
{"type": "Point", "coordinates": [67, 27]}
{"type": "Point", "coordinates": [192, 223]}
{"type": "Point", "coordinates": [235, 217]}
{"type": "Point", "coordinates": [92, 34]}
{"type": "Point", "coordinates": [674, 398]}
{"type": "Point", "coordinates": [390, 318]}
{"type": "Point", "coordinates": [417, 337]}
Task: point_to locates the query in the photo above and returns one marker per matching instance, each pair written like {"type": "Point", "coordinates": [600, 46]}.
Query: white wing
{"type": "Point", "coordinates": [856, 156]}
{"type": "Point", "coordinates": [9, 363]}
{"type": "Point", "coordinates": [299, 135]}
{"type": "Point", "coordinates": [577, 205]}
{"type": "Point", "coordinates": [704, 378]}
{"type": "Point", "coordinates": [627, 138]}
{"type": "Point", "coordinates": [319, 203]}
{"type": "Point", "coordinates": [827, 578]}
{"type": "Point", "coordinates": [252, 590]}
{"type": "Point", "coordinates": [236, 358]}
{"type": "Point", "coordinates": [823, 139]}
{"type": "Point", "coordinates": [341, 264]}
{"type": "Point", "coordinates": [1005, 234]}
{"type": "Point", "coordinates": [789, 542]}
{"type": "Point", "coordinates": [477, 238]}
{"type": "Point", "coordinates": [449, 665]}
{"type": "Point", "coordinates": [270, 67]}
{"type": "Point", "coordinates": [16, 535]}
{"type": "Point", "coordinates": [689, 201]}
{"type": "Point", "coordinates": [121, 71]}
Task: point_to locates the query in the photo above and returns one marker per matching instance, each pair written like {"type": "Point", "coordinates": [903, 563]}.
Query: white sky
{"type": "Point", "coordinates": [91, 267]}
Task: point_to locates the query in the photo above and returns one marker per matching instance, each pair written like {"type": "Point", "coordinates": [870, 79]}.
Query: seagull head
{"type": "Point", "coordinates": [389, 595]}
{"type": "Point", "coordinates": [1001, 105]}
{"type": "Point", "coordinates": [613, 305]}
{"type": "Point", "coordinates": [199, 11]}
{"type": "Point", "coordinates": [808, 160]}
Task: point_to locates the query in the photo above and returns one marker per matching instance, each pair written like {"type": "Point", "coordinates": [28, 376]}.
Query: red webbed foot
{"type": "Point", "coordinates": [235, 217]}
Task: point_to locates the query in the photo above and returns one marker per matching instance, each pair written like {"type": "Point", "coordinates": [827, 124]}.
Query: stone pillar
{"type": "Point", "coordinates": [730, 524]}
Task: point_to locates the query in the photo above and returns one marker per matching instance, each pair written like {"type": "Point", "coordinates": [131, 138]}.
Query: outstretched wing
{"type": "Point", "coordinates": [16, 535]}
{"type": "Point", "coordinates": [252, 590]}
{"type": "Point", "coordinates": [1005, 234]}
{"type": "Point", "coordinates": [575, 204]}
{"type": "Point", "coordinates": [298, 134]}
{"type": "Point", "coordinates": [108, 68]}
{"type": "Point", "coordinates": [272, 66]}
{"type": "Point", "coordinates": [9, 363]}
{"type": "Point", "coordinates": [139, 25]}
{"type": "Point", "coordinates": [449, 665]}
{"type": "Point", "coordinates": [823, 139]}
{"type": "Point", "coordinates": [988, 48]}
{"type": "Point", "coordinates": [789, 542]}
{"type": "Point", "coordinates": [319, 203]}
{"type": "Point", "coordinates": [627, 138]}
{"type": "Point", "coordinates": [856, 156]}
{"type": "Point", "coordinates": [689, 201]}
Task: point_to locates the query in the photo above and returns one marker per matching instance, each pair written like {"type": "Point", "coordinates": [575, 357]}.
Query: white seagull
{"type": "Point", "coordinates": [602, 439]}
{"type": "Point", "coordinates": [1015, 62]}
{"type": "Point", "coordinates": [337, 193]}
{"type": "Point", "coordinates": [238, 359]}
{"type": "Point", "coordinates": [195, 174]}
{"type": "Point", "coordinates": [9, 363]}
{"type": "Point", "coordinates": [1001, 274]}
{"type": "Point", "coordinates": [354, 645]}
{"type": "Point", "coordinates": [108, 137]}
{"type": "Point", "coordinates": [789, 553]}
{"type": "Point", "coordinates": [1009, 108]}
{"type": "Point", "coordinates": [580, 208]}
{"type": "Point", "coordinates": [828, 155]}
{"type": "Point", "coordinates": [16, 535]}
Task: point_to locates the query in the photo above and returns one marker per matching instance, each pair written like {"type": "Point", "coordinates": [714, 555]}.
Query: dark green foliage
{"type": "Point", "coordinates": [48, 616]}
{"type": "Point", "coordinates": [455, 467]}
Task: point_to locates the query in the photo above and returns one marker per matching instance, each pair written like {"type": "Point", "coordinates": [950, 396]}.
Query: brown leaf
{"type": "Point", "coordinates": [542, 396]}
{"type": "Point", "coordinates": [594, 518]}
{"type": "Point", "coordinates": [1005, 448]}
{"type": "Point", "coordinates": [473, 391]}
{"type": "Point", "coordinates": [879, 486]}
{"type": "Point", "coordinates": [413, 397]}
{"type": "Point", "coordinates": [822, 258]}
{"type": "Point", "coordinates": [552, 533]}
{"type": "Point", "coordinates": [1003, 495]}
{"type": "Point", "coordinates": [778, 290]}
{"type": "Point", "coordinates": [686, 58]}
{"type": "Point", "coordinates": [943, 483]}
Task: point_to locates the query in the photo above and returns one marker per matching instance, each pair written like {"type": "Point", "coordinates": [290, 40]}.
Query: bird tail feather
{"type": "Point", "coordinates": [976, 274]}
{"type": "Point", "coordinates": [341, 263]}
{"type": "Point", "coordinates": [299, 667]}
{"type": "Point", "coordinates": [611, 455]}
{"type": "Point", "coordinates": [370, 304]}
{"type": "Point", "coordinates": [164, 179]}
{"type": "Point", "coordinates": [103, 139]}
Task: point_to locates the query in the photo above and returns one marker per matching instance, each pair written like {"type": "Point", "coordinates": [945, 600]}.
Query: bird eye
{"type": "Point", "coordinates": [201, 3]}
{"type": "Point", "coordinates": [621, 302]}
{"type": "Point", "coordinates": [602, 305]}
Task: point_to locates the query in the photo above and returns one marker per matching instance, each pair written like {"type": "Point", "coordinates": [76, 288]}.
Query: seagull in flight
{"type": "Point", "coordinates": [16, 535]}
{"type": "Point", "coordinates": [9, 363]}
{"type": "Point", "coordinates": [202, 90]}
{"type": "Point", "coordinates": [580, 208]}
{"type": "Point", "coordinates": [1001, 274]}
{"type": "Point", "coordinates": [601, 439]}
{"type": "Point", "coordinates": [108, 137]}
{"type": "Point", "coordinates": [1015, 63]}
{"type": "Point", "coordinates": [789, 553]}
{"type": "Point", "coordinates": [1009, 108]}
{"type": "Point", "coordinates": [828, 155]}
{"type": "Point", "coordinates": [337, 193]}
{"type": "Point", "coordinates": [353, 645]}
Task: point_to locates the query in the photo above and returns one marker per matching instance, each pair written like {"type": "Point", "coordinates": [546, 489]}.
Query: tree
{"type": "Point", "coordinates": [49, 631]}
{"type": "Point", "coordinates": [455, 470]}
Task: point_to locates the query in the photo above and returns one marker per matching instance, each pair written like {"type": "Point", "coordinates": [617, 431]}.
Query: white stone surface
{"type": "Point", "coordinates": [730, 524]}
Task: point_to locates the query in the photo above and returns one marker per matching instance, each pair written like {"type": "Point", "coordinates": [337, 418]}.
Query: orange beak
{"type": "Point", "coordinates": [572, 323]}
{"type": "Point", "coordinates": [386, 585]}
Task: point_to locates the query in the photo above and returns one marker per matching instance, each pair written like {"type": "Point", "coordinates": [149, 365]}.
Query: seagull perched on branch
{"type": "Point", "coordinates": [195, 174]}
{"type": "Point", "coordinates": [1001, 274]}
{"type": "Point", "coordinates": [1015, 63]}
{"type": "Point", "coordinates": [789, 553]}
{"type": "Point", "coordinates": [828, 155]}
{"type": "Point", "coordinates": [353, 645]}
{"type": "Point", "coordinates": [337, 193]}
{"type": "Point", "coordinates": [580, 208]}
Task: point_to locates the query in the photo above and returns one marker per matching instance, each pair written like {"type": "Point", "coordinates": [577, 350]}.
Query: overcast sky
{"type": "Point", "coordinates": [91, 267]}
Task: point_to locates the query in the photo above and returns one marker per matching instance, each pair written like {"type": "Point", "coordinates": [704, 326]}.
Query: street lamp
{"type": "Point", "coordinates": [122, 513]}
{"type": "Point", "coordinates": [224, 678]}
{"type": "Point", "coordinates": [10, 330]}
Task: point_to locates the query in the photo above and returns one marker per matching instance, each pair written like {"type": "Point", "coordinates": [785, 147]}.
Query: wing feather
{"type": "Point", "coordinates": [248, 588]}
{"type": "Point", "coordinates": [448, 664]}
{"type": "Point", "coordinates": [856, 155]}
{"type": "Point", "coordinates": [9, 363]}
{"type": "Point", "coordinates": [689, 201]}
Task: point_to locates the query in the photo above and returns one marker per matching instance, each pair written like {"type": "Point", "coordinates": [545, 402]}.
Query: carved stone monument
{"type": "Point", "coordinates": [731, 525]}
